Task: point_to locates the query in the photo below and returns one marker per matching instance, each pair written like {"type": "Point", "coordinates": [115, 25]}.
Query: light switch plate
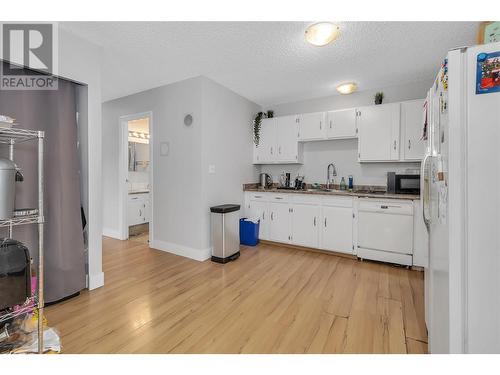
{"type": "Point", "coordinates": [164, 148]}
{"type": "Point", "coordinates": [211, 169]}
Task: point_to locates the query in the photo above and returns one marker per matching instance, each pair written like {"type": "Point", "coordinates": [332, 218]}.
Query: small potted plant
{"type": "Point", "coordinates": [379, 97]}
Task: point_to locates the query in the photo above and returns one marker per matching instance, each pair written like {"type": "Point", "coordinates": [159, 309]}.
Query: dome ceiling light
{"type": "Point", "coordinates": [322, 33]}
{"type": "Point", "coordinates": [347, 88]}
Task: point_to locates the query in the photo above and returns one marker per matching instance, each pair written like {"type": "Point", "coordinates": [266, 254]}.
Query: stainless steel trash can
{"type": "Point", "coordinates": [225, 232]}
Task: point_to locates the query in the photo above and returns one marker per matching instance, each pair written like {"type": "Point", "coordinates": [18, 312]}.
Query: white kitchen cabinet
{"type": "Point", "coordinates": [341, 124]}
{"type": "Point", "coordinates": [259, 208]}
{"type": "Point", "coordinates": [287, 145]}
{"type": "Point", "coordinates": [265, 151]}
{"type": "Point", "coordinates": [337, 225]}
{"type": "Point", "coordinates": [138, 209]}
{"type": "Point", "coordinates": [411, 130]}
{"type": "Point", "coordinates": [278, 142]}
{"type": "Point", "coordinates": [279, 222]}
{"type": "Point", "coordinates": [378, 132]}
{"type": "Point", "coordinates": [305, 223]}
{"type": "Point", "coordinates": [312, 126]}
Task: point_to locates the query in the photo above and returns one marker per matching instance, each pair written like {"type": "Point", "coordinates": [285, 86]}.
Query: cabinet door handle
{"type": "Point", "coordinates": [330, 124]}
{"type": "Point", "coordinates": [278, 197]}
{"type": "Point", "coordinates": [394, 145]}
{"type": "Point", "coordinates": [140, 212]}
{"type": "Point", "coordinates": [271, 150]}
{"type": "Point", "coordinates": [279, 150]}
{"type": "Point", "coordinates": [314, 220]}
{"type": "Point", "coordinates": [320, 125]}
{"type": "Point", "coordinates": [264, 215]}
{"type": "Point", "coordinates": [272, 216]}
{"type": "Point", "coordinates": [325, 222]}
{"type": "Point", "coordinates": [409, 144]}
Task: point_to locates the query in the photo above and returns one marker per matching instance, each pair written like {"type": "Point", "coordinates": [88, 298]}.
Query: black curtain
{"type": "Point", "coordinates": [55, 113]}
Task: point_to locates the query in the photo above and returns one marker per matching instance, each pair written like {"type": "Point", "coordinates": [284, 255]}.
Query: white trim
{"type": "Point", "coordinates": [123, 171]}
{"type": "Point", "coordinates": [108, 232]}
{"type": "Point", "coordinates": [96, 281]}
{"type": "Point", "coordinates": [185, 251]}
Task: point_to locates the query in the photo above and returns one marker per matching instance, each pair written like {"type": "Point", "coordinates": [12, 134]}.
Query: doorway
{"type": "Point", "coordinates": [136, 177]}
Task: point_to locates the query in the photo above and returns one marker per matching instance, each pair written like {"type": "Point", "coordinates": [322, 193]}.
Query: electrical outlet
{"type": "Point", "coordinates": [211, 169]}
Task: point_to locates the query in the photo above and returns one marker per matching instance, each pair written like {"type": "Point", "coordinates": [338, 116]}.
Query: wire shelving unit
{"type": "Point", "coordinates": [11, 136]}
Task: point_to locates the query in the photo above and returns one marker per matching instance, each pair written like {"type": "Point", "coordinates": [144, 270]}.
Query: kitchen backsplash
{"type": "Point", "coordinates": [343, 153]}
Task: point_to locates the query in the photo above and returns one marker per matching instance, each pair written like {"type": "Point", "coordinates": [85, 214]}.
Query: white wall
{"type": "Point", "coordinates": [183, 189]}
{"type": "Point", "coordinates": [80, 61]}
{"type": "Point", "coordinates": [177, 191]}
{"type": "Point", "coordinates": [317, 155]}
{"type": "Point", "coordinates": [227, 145]}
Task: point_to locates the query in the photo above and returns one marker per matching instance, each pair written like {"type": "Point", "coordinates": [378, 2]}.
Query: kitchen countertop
{"type": "Point", "coordinates": [378, 194]}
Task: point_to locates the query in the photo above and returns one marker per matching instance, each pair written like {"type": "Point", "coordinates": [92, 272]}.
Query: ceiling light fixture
{"type": "Point", "coordinates": [322, 33]}
{"type": "Point", "coordinates": [347, 88]}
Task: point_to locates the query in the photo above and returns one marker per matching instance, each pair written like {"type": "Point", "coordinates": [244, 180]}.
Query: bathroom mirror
{"type": "Point", "coordinates": [138, 157]}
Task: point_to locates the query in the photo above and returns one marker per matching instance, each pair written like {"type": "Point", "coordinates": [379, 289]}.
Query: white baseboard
{"type": "Point", "coordinates": [111, 233]}
{"type": "Point", "coordinates": [95, 281]}
{"type": "Point", "coordinates": [185, 251]}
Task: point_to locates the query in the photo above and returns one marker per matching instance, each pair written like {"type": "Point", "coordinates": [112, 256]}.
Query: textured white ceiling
{"type": "Point", "coordinates": [269, 62]}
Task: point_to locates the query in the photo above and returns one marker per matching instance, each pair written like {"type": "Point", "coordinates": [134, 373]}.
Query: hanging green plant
{"type": "Point", "coordinates": [257, 123]}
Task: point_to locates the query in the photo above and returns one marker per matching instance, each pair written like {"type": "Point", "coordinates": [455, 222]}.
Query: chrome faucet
{"type": "Point", "coordinates": [329, 179]}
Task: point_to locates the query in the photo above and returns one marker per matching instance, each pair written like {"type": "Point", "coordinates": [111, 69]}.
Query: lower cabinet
{"type": "Point", "coordinates": [138, 209]}
{"type": "Point", "coordinates": [336, 226]}
{"type": "Point", "coordinates": [256, 208]}
{"type": "Point", "coordinates": [305, 223]}
{"type": "Point", "coordinates": [279, 222]}
{"type": "Point", "coordinates": [333, 223]}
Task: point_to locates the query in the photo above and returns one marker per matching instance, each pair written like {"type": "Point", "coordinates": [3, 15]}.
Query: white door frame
{"type": "Point", "coordinates": [123, 172]}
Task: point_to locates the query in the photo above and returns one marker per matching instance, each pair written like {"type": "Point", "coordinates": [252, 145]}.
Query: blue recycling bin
{"type": "Point", "coordinates": [249, 232]}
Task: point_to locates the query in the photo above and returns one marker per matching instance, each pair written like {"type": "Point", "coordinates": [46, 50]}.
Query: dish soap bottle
{"type": "Point", "coordinates": [343, 185]}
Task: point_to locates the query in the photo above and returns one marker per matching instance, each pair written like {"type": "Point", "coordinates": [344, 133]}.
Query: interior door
{"type": "Point", "coordinates": [279, 222]}
{"type": "Point", "coordinates": [266, 151]}
{"type": "Point", "coordinates": [312, 126]}
{"type": "Point", "coordinates": [287, 138]}
{"type": "Point", "coordinates": [378, 127]}
{"type": "Point", "coordinates": [337, 229]}
{"type": "Point", "coordinates": [305, 224]}
{"type": "Point", "coordinates": [411, 125]}
{"type": "Point", "coordinates": [341, 124]}
{"type": "Point", "coordinates": [259, 209]}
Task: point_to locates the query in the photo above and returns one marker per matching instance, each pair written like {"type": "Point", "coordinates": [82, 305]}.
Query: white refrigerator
{"type": "Point", "coordinates": [461, 202]}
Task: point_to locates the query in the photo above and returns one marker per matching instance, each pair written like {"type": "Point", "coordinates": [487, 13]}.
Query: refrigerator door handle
{"type": "Point", "coordinates": [424, 190]}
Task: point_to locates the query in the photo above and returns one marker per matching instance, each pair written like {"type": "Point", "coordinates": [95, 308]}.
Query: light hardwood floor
{"type": "Point", "coordinates": [271, 300]}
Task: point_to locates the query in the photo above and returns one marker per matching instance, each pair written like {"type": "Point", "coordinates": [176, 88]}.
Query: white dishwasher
{"type": "Point", "coordinates": [385, 230]}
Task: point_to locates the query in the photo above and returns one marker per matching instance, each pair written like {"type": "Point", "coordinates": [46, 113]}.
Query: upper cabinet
{"type": "Point", "coordinates": [265, 151]}
{"type": "Point", "coordinates": [311, 126]}
{"type": "Point", "coordinates": [278, 142]}
{"type": "Point", "coordinates": [385, 132]}
{"type": "Point", "coordinates": [378, 132]}
{"type": "Point", "coordinates": [341, 124]}
{"type": "Point", "coordinates": [319, 126]}
{"type": "Point", "coordinates": [413, 147]}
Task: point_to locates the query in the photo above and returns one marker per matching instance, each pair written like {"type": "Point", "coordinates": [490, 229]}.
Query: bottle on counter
{"type": "Point", "coordinates": [351, 182]}
{"type": "Point", "coordinates": [343, 185]}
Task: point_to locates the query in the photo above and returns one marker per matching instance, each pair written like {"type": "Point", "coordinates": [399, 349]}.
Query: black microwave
{"type": "Point", "coordinates": [403, 183]}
